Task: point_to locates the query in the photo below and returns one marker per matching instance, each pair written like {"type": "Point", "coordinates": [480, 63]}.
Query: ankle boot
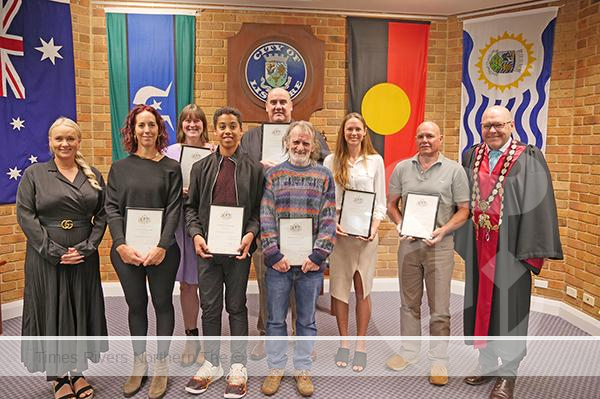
{"type": "Point", "coordinates": [160, 381]}
{"type": "Point", "coordinates": [138, 377]}
{"type": "Point", "coordinates": [191, 349]}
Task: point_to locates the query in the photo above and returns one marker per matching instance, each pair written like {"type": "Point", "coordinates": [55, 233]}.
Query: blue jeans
{"type": "Point", "coordinates": [307, 287]}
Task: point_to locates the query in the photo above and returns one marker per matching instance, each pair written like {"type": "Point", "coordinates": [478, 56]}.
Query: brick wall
{"type": "Point", "coordinates": [573, 125]}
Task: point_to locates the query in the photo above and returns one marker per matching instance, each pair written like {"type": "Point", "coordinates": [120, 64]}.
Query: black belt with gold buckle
{"type": "Point", "coordinates": [65, 224]}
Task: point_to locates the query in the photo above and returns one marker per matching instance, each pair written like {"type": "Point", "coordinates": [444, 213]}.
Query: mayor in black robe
{"type": "Point", "coordinates": [527, 234]}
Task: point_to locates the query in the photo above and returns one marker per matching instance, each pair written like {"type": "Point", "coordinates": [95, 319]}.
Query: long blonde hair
{"type": "Point", "coordinates": [79, 158]}
{"type": "Point", "coordinates": [341, 154]}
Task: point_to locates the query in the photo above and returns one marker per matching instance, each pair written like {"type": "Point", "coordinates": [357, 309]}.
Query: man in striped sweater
{"type": "Point", "coordinates": [299, 193]}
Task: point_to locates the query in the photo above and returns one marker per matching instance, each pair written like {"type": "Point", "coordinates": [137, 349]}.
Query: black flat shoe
{"type": "Point", "coordinates": [342, 356]}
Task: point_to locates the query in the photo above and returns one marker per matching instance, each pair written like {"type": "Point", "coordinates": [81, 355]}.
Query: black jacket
{"type": "Point", "coordinates": [249, 182]}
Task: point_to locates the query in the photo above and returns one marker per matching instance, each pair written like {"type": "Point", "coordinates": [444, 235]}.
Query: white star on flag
{"type": "Point", "coordinates": [156, 105]}
{"type": "Point", "coordinates": [32, 159]}
{"type": "Point", "coordinates": [49, 50]}
{"type": "Point", "coordinates": [14, 173]}
{"type": "Point", "coordinates": [17, 123]}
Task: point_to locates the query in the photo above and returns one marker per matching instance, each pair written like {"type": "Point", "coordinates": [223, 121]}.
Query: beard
{"type": "Point", "coordinates": [299, 159]}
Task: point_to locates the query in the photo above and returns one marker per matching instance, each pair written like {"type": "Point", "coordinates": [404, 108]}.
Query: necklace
{"type": "Point", "coordinates": [150, 158]}
{"type": "Point", "coordinates": [484, 221]}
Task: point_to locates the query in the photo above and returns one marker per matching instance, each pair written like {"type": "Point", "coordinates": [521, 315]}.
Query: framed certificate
{"type": "Point", "coordinates": [142, 228]}
{"type": "Point", "coordinates": [189, 156]}
{"type": "Point", "coordinates": [272, 142]}
{"type": "Point", "coordinates": [356, 214]}
{"type": "Point", "coordinates": [420, 212]}
{"type": "Point", "coordinates": [295, 239]}
{"type": "Point", "coordinates": [225, 225]}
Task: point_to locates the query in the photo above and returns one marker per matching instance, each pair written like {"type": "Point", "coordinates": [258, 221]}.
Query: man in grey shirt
{"type": "Point", "coordinates": [432, 260]}
{"type": "Point", "coordinates": [279, 110]}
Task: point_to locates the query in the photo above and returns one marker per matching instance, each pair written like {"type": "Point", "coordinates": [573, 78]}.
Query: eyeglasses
{"type": "Point", "coordinates": [496, 126]}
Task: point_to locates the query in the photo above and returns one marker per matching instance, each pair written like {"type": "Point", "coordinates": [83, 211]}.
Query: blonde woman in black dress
{"type": "Point", "coordinates": [60, 208]}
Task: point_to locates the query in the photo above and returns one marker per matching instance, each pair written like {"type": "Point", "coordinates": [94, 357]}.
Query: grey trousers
{"type": "Point", "coordinates": [418, 262]}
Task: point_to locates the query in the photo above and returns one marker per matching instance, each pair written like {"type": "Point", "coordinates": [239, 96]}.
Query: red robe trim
{"type": "Point", "coordinates": [487, 243]}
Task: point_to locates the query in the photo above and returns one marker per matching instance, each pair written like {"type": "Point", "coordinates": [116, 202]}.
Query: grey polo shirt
{"type": "Point", "coordinates": [445, 177]}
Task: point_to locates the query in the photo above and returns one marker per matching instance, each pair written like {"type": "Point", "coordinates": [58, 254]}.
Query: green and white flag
{"type": "Point", "coordinates": [150, 61]}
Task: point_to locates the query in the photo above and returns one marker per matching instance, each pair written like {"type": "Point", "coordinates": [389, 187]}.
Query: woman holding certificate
{"type": "Point", "coordinates": [143, 205]}
{"type": "Point", "coordinates": [192, 136]}
{"type": "Point", "coordinates": [60, 208]}
{"type": "Point", "coordinates": [359, 177]}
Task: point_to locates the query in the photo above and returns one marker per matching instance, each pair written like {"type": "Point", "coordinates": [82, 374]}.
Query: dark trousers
{"type": "Point", "coordinates": [224, 275]}
{"type": "Point", "coordinates": [161, 279]}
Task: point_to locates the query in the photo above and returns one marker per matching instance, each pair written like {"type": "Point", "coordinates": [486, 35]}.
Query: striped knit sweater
{"type": "Point", "coordinates": [298, 192]}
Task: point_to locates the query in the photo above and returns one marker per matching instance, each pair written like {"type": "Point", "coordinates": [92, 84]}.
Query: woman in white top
{"type": "Point", "coordinates": [355, 165]}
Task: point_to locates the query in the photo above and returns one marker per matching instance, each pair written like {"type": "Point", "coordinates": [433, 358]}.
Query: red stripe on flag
{"type": "Point", "coordinates": [407, 68]}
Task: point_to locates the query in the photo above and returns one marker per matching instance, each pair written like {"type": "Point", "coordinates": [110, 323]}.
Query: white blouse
{"type": "Point", "coordinates": [364, 176]}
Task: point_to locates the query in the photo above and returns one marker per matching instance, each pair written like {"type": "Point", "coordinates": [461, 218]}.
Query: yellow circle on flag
{"type": "Point", "coordinates": [386, 108]}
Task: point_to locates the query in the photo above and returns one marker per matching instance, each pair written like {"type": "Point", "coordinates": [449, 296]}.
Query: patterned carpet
{"type": "Point", "coordinates": [554, 368]}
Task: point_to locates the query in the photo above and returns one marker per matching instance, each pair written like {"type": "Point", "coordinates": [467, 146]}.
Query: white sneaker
{"type": "Point", "coordinates": [237, 382]}
{"type": "Point", "coordinates": [206, 375]}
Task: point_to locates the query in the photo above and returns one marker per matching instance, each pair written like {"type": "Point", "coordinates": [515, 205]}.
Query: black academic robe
{"type": "Point", "coordinates": [529, 229]}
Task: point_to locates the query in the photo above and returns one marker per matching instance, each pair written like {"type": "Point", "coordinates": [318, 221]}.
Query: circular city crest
{"type": "Point", "coordinates": [505, 61]}
{"type": "Point", "coordinates": [272, 65]}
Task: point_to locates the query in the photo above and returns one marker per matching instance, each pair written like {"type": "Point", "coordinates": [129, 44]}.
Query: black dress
{"type": "Point", "coordinates": [61, 300]}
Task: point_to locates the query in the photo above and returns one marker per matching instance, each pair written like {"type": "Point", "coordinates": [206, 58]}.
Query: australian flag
{"type": "Point", "coordinates": [37, 78]}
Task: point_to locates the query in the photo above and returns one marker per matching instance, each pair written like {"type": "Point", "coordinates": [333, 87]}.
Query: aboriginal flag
{"type": "Point", "coordinates": [387, 62]}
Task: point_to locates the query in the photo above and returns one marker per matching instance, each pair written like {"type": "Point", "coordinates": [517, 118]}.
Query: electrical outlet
{"type": "Point", "coordinates": [587, 298]}
{"type": "Point", "coordinates": [540, 283]}
{"type": "Point", "coordinates": [572, 292]}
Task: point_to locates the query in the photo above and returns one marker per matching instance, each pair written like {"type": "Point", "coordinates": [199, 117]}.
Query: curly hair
{"type": "Point", "coordinates": [194, 112]}
{"type": "Point", "coordinates": [227, 111]}
{"type": "Point", "coordinates": [128, 130]}
{"type": "Point", "coordinates": [307, 128]}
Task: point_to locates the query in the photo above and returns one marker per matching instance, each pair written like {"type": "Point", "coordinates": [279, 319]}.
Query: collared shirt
{"type": "Point", "coordinates": [365, 175]}
{"type": "Point", "coordinates": [445, 178]}
{"type": "Point", "coordinates": [494, 155]}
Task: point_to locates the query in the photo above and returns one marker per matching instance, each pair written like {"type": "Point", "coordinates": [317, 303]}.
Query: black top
{"type": "Point", "coordinates": [45, 193]}
{"type": "Point", "coordinates": [143, 183]}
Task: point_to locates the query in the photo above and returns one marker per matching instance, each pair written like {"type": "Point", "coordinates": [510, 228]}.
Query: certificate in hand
{"type": "Point", "coordinates": [142, 228]}
{"type": "Point", "coordinates": [272, 142]}
{"type": "Point", "coordinates": [420, 212]}
{"type": "Point", "coordinates": [295, 239]}
{"type": "Point", "coordinates": [225, 229]}
{"type": "Point", "coordinates": [189, 156]}
{"type": "Point", "coordinates": [356, 214]}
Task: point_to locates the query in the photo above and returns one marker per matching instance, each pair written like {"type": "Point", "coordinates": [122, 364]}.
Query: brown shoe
{"type": "Point", "coordinates": [438, 375]}
{"type": "Point", "coordinates": [271, 383]}
{"type": "Point", "coordinates": [478, 379]}
{"type": "Point", "coordinates": [191, 348]}
{"type": "Point", "coordinates": [138, 376]}
{"type": "Point", "coordinates": [397, 363]}
{"type": "Point", "coordinates": [160, 380]}
{"type": "Point", "coordinates": [258, 352]}
{"type": "Point", "coordinates": [304, 383]}
{"type": "Point", "coordinates": [504, 388]}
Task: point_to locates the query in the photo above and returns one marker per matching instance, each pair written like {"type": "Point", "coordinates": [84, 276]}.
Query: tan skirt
{"type": "Point", "coordinates": [349, 256]}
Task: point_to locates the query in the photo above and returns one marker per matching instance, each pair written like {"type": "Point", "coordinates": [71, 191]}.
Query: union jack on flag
{"type": "Point", "coordinates": [37, 78]}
